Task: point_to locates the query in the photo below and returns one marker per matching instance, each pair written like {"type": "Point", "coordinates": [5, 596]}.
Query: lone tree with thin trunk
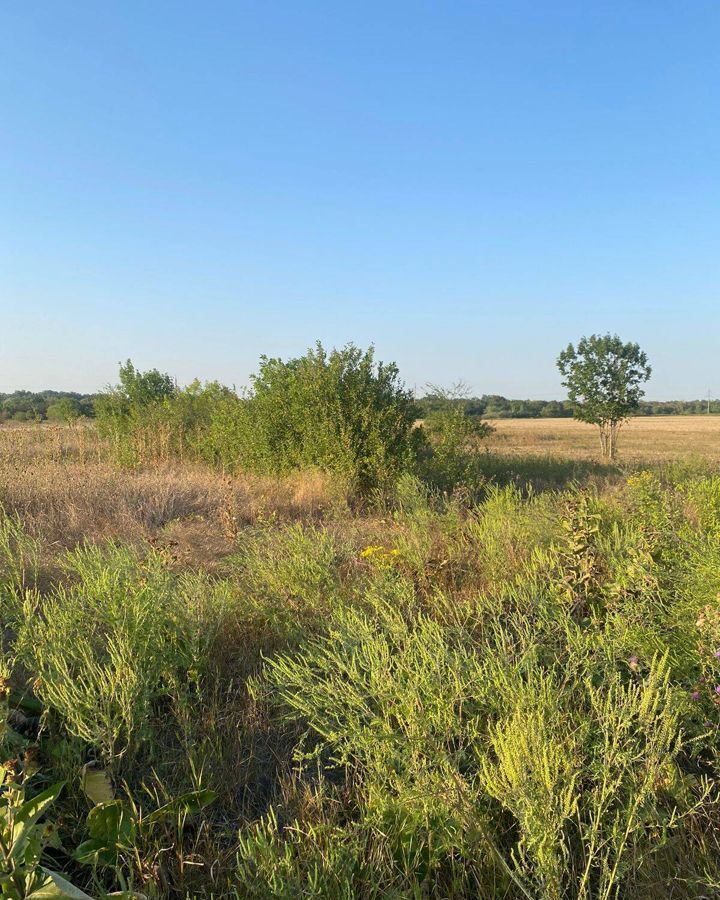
{"type": "Point", "coordinates": [603, 378]}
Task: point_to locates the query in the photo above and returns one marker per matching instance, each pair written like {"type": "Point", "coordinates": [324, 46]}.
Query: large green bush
{"type": "Point", "coordinates": [338, 411]}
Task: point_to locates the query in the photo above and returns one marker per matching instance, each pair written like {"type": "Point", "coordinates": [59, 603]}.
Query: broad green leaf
{"type": "Point", "coordinates": [55, 886]}
{"type": "Point", "coordinates": [28, 815]}
{"type": "Point", "coordinates": [96, 852]}
{"type": "Point", "coordinates": [97, 785]}
{"type": "Point", "coordinates": [188, 804]}
{"type": "Point", "coordinates": [113, 823]}
{"type": "Point", "coordinates": [14, 739]}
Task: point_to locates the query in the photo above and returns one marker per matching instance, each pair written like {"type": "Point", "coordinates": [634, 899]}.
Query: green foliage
{"type": "Point", "coordinates": [290, 576]}
{"type": "Point", "coordinates": [339, 411]}
{"type": "Point", "coordinates": [114, 827]}
{"type": "Point", "coordinates": [452, 456]}
{"type": "Point", "coordinates": [25, 406]}
{"type": "Point", "coordinates": [543, 745]}
{"type": "Point", "coordinates": [144, 388]}
{"type": "Point", "coordinates": [317, 860]}
{"type": "Point", "coordinates": [23, 841]}
{"type": "Point", "coordinates": [511, 698]}
{"type": "Point", "coordinates": [603, 377]}
{"type": "Point", "coordinates": [127, 413]}
{"type": "Point", "coordinates": [19, 556]}
{"type": "Point", "coordinates": [65, 410]}
{"type": "Point", "coordinates": [107, 647]}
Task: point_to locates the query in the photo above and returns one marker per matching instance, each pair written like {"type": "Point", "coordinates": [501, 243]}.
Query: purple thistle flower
{"type": "Point", "coordinates": [716, 654]}
{"type": "Point", "coordinates": [695, 695]}
{"type": "Point", "coordinates": [717, 688]}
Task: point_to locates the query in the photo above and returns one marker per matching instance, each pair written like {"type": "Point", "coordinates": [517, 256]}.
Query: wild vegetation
{"type": "Point", "coordinates": [393, 662]}
{"type": "Point", "coordinates": [59, 406]}
{"type": "Point", "coordinates": [340, 412]}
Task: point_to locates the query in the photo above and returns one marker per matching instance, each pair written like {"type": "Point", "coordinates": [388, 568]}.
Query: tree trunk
{"type": "Point", "coordinates": [608, 439]}
{"type": "Point", "coordinates": [613, 439]}
{"type": "Point", "coordinates": [604, 440]}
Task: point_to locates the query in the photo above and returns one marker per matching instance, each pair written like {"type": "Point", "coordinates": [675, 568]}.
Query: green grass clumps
{"type": "Point", "coordinates": [513, 764]}
{"type": "Point", "coordinates": [511, 698]}
{"type": "Point", "coordinates": [108, 647]}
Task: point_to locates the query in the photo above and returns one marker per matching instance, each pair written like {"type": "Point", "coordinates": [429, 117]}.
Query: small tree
{"type": "Point", "coordinates": [125, 412]}
{"type": "Point", "coordinates": [603, 377]}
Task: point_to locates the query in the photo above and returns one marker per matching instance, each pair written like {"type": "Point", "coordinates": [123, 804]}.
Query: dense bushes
{"type": "Point", "coordinates": [341, 412]}
{"type": "Point", "coordinates": [56, 406]}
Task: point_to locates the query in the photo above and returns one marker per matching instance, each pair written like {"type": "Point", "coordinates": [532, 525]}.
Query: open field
{"type": "Point", "coordinates": [643, 441]}
{"type": "Point", "coordinates": [282, 690]}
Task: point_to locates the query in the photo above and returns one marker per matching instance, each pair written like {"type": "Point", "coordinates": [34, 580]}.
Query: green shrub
{"type": "Point", "coordinates": [64, 410]}
{"type": "Point", "coordinates": [107, 647]}
{"type": "Point", "coordinates": [339, 411]}
{"type": "Point", "coordinates": [453, 453]}
{"type": "Point", "coordinates": [19, 556]}
{"type": "Point", "coordinates": [290, 578]}
{"type": "Point", "coordinates": [321, 860]}
{"type": "Point", "coordinates": [534, 762]}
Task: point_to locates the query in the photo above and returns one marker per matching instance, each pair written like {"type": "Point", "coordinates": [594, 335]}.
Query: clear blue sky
{"type": "Point", "coordinates": [468, 185]}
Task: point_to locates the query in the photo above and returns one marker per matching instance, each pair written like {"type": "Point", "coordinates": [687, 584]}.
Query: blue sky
{"type": "Point", "coordinates": [468, 185]}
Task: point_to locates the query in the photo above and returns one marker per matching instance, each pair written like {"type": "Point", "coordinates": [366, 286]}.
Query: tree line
{"type": "Point", "coordinates": [495, 406]}
{"type": "Point", "coordinates": [340, 411]}
{"type": "Point", "coordinates": [57, 406]}
{"type": "Point", "coordinates": [64, 406]}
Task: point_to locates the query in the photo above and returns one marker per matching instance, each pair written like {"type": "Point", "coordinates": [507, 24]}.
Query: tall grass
{"type": "Point", "coordinates": [433, 696]}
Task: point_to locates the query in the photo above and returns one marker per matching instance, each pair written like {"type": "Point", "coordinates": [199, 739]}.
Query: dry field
{"type": "Point", "coordinates": [650, 440]}
{"type": "Point", "coordinates": [59, 480]}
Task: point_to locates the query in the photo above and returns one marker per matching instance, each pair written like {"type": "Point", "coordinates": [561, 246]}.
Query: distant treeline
{"type": "Point", "coordinates": [58, 406]}
{"type": "Point", "coordinates": [493, 406]}
{"type": "Point", "coordinates": [61, 406]}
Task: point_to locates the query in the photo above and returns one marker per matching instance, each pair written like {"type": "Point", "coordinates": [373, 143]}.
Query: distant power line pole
{"type": "Point", "coordinates": [708, 401]}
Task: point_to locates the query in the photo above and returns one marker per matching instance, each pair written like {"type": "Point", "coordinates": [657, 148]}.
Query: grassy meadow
{"type": "Point", "coordinates": [245, 685]}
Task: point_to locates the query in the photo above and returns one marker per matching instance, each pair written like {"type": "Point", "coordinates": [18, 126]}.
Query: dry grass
{"type": "Point", "coordinates": [645, 440]}
{"type": "Point", "coordinates": [58, 481]}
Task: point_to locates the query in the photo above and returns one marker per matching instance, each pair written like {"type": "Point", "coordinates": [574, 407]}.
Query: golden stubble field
{"type": "Point", "coordinates": [652, 439]}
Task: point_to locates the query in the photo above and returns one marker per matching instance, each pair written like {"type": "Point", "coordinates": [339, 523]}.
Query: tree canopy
{"type": "Point", "coordinates": [604, 378]}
